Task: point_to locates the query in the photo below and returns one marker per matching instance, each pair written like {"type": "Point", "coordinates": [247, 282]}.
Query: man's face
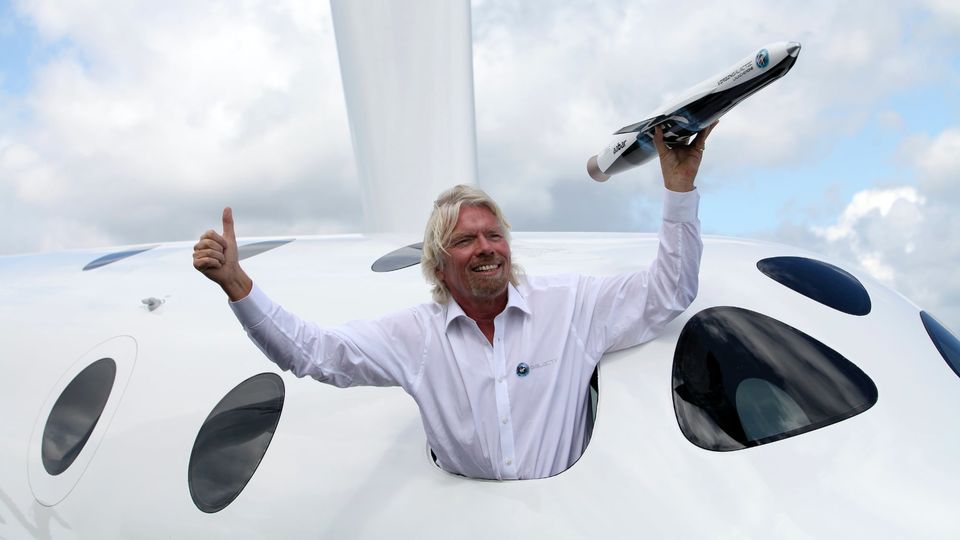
{"type": "Point", "coordinates": [477, 265]}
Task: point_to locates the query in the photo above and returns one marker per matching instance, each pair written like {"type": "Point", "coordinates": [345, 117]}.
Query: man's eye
{"type": "Point", "coordinates": [461, 242]}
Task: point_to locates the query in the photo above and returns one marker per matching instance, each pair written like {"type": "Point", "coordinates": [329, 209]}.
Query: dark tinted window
{"type": "Point", "coordinates": [400, 258]}
{"type": "Point", "coordinates": [743, 379]}
{"type": "Point", "coordinates": [946, 342]}
{"type": "Point", "coordinates": [75, 414]}
{"type": "Point", "coordinates": [255, 248]}
{"type": "Point", "coordinates": [594, 403]}
{"type": "Point", "coordinates": [819, 281]}
{"type": "Point", "coordinates": [233, 440]}
{"type": "Point", "coordinates": [114, 257]}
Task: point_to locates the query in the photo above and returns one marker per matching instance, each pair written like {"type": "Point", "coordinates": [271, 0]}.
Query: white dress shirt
{"type": "Point", "coordinates": [482, 418]}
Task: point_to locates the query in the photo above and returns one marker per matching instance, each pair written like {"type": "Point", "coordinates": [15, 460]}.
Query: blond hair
{"type": "Point", "coordinates": [440, 226]}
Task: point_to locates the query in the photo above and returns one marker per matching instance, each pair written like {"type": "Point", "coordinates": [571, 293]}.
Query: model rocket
{"type": "Point", "coordinates": [696, 109]}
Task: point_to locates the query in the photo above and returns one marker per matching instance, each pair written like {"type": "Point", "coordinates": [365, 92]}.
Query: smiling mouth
{"type": "Point", "coordinates": [486, 267]}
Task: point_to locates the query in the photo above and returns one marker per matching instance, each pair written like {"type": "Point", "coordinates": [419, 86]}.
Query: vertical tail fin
{"type": "Point", "coordinates": [407, 72]}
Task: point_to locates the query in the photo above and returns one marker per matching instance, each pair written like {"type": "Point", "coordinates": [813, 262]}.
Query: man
{"type": "Point", "coordinates": [498, 364]}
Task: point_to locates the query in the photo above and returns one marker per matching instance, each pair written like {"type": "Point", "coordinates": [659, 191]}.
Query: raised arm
{"type": "Point", "coordinates": [215, 256]}
{"type": "Point", "coordinates": [384, 352]}
{"type": "Point", "coordinates": [628, 309]}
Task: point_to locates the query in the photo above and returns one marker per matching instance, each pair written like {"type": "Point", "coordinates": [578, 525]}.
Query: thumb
{"type": "Point", "coordinates": [228, 232]}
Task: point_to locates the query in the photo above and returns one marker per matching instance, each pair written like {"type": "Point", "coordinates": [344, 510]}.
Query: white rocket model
{"type": "Point", "coordinates": [696, 109]}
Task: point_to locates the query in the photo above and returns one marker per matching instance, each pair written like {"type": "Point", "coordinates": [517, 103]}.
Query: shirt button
{"type": "Point", "coordinates": [500, 379]}
{"type": "Point", "coordinates": [508, 461]}
{"type": "Point", "coordinates": [505, 419]}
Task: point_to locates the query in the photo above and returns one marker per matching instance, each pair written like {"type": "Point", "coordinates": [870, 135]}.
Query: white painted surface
{"type": "Point", "coordinates": [407, 71]}
{"type": "Point", "coordinates": [351, 463]}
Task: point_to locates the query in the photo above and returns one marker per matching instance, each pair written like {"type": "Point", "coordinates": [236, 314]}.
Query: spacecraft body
{"type": "Point", "coordinates": [793, 398]}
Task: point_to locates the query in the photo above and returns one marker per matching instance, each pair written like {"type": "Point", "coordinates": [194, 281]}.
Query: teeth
{"type": "Point", "coordinates": [485, 267]}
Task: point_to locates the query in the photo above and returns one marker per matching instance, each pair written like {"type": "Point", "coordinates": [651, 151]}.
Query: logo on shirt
{"type": "Point", "coordinates": [523, 369]}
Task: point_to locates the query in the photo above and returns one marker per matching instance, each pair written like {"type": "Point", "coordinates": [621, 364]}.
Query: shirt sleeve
{"type": "Point", "coordinates": [385, 352]}
{"type": "Point", "coordinates": [629, 309]}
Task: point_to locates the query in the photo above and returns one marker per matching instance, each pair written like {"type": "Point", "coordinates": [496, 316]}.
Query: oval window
{"type": "Point", "coordinates": [75, 414]}
{"type": "Point", "coordinates": [743, 379]}
{"type": "Point", "coordinates": [114, 257]}
{"type": "Point", "coordinates": [233, 440]}
{"type": "Point", "coordinates": [255, 248]}
{"type": "Point", "coordinates": [944, 340]}
{"type": "Point", "coordinates": [399, 258]}
{"type": "Point", "coordinates": [820, 281]}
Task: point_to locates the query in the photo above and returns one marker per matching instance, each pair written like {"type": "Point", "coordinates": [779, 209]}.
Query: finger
{"type": "Point", "coordinates": [658, 141]}
{"type": "Point", "coordinates": [213, 243]}
{"type": "Point", "coordinates": [208, 243]}
{"type": "Point", "coordinates": [701, 141]}
{"type": "Point", "coordinates": [228, 232]}
{"type": "Point", "coordinates": [209, 254]}
{"type": "Point", "coordinates": [206, 264]}
{"type": "Point", "coordinates": [213, 236]}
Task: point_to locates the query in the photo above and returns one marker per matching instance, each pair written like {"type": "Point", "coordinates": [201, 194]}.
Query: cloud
{"type": "Point", "coordinates": [902, 235]}
{"type": "Point", "coordinates": [553, 84]}
{"type": "Point", "coordinates": [878, 227]}
{"type": "Point", "coordinates": [143, 119]}
{"type": "Point", "coordinates": [151, 117]}
{"type": "Point", "coordinates": [938, 164]}
{"type": "Point", "coordinates": [945, 12]}
{"type": "Point", "coordinates": [869, 204]}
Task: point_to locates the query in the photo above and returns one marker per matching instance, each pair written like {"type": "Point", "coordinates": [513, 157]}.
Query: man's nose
{"type": "Point", "coordinates": [484, 245]}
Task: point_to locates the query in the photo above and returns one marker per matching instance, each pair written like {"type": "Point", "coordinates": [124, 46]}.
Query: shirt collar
{"type": "Point", "coordinates": [514, 300]}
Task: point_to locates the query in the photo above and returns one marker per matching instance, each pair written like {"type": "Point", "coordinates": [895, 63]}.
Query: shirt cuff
{"type": "Point", "coordinates": [252, 309]}
{"type": "Point", "coordinates": [680, 206]}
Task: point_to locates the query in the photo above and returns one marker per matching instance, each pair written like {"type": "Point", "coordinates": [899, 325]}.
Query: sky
{"type": "Point", "coordinates": [126, 122]}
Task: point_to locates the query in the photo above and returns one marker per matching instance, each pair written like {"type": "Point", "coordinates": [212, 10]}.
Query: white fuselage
{"type": "Point", "coordinates": [353, 463]}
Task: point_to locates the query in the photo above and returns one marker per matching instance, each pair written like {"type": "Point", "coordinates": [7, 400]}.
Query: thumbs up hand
{"type": "Point", "coordinates": [215, 256]}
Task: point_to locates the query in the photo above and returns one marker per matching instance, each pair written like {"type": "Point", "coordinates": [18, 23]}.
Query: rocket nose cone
{"type": "Point", "coordinates": [793, 48]}
{"type": "Point", "coordinates": [594, 170]}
